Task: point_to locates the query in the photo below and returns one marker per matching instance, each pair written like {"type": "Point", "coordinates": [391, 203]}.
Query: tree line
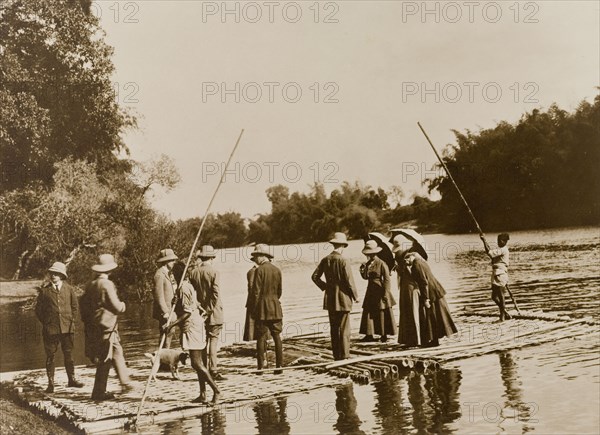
{"type": "Point", "coordinates": [69, 189]}
{"type": "Point", "coordinates": [540, 172]}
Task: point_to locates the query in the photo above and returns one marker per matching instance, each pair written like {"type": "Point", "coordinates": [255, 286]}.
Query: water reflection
{"type": "Point", "coordinates": [390, 408]}
{"type": "Point", "coordinates": [271, 417]}
{"type": "Point", "coordinates": [513, 393]}
{"type": "Point", "coordinates": [348, 421]}
{"type": "Point", "coordinates": [434, 397]}
{"type": "Point", "coordinates": [212, 423]}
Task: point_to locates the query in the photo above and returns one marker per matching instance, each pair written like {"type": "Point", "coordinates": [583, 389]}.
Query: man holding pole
{"type": "Point", "coordinates": [205, 280]}
{"type": "Point", "coordinates": [339, 293]}
{"type": "Point", "coordinates": [500, 262]}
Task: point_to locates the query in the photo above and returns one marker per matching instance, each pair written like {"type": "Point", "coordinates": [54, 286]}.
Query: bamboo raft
{"type": "Point", "coordinates": [169, 399]}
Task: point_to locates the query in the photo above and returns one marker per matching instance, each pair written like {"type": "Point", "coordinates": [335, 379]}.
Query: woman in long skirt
{"type": "Point", "coordinates": [436, 321]}
{"type": "Point", "coordinates": [409, 333]}
{"type": "Point", "coordinates": [192, 333]}
{"type": "Point", "coordinates": [378, 315]}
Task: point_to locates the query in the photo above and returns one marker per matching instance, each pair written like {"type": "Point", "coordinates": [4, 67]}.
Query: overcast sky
{"type": "Point", "coordinates": [367, 72]}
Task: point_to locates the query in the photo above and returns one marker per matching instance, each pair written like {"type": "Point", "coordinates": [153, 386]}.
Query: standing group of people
{"type": "Point", "coordinates": [57, 309]}
{"type": "Point", "coordinates": [196, 302]}
{"type": "Point", "coordinates": [424, 313]}
{"type": "Point", "coordinates": [195, 299]}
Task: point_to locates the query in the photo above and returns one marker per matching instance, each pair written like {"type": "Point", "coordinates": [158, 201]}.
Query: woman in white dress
{"type": "Point", "coordinates": [193, 334]}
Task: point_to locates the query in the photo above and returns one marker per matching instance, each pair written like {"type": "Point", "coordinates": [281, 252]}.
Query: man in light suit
{"type": "Point", "coordinates": [340, 292]}
{"type": "Point", "coordinates": [266, 291]}
{"type": "Point", "coordinates": [57, 309]}
{"type": "Point", "coordinates": [164, 289]}
{"type": "Point", "coordinates": [205, 279]}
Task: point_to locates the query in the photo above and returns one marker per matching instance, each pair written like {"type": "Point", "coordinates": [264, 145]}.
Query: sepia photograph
{"type": "Point", "coordinates": [299, 217]}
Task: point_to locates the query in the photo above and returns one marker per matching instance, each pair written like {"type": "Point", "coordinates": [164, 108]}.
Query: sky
{"type": "Point", "coordinates": [332, 91]}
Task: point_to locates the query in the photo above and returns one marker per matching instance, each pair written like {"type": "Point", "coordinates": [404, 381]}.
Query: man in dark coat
{"type": "Point", "coordinates": [57, 310]}
{"type": "Point", "coordinates": [339, 293]}
{"type": "Point", "coordinates": [268, 316]}
{"type": "Point", "coordinates": [205, 280]}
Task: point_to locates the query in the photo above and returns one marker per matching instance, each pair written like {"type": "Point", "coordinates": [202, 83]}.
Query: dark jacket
{"type": "Point", "coordinates": [57, 311]}
{"type": "Point", "coordinates": [102, 305]}
{"type": "Point", "coordinates": [379, 289]}
{"type": "Point", "coordinates": [429, 286]}
{"type": "Point", "coordinates": [205, 280]}
{"type": "Point", "coordinates": [250, 302]}
{"type": "Point", "coordinates": [266, 288]}
{"type": "Point", "coordinates": [338, 286]}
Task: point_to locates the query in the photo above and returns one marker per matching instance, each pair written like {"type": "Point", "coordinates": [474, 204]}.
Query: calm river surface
{"type": "Point", "coordinates": [551, 388]}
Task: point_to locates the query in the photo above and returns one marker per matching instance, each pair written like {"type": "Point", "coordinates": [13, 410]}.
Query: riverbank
{"type": "Point", "coordinates": [15, 418]}
{"type": "Point", "coordinates": [15, 291]}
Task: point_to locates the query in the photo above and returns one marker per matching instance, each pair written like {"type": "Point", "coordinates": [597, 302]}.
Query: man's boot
{"type": "Point", "coordinates": [50, 388]}
{"type": "Point", "coordinates": [50, 374]}
{"type": "Point", "coordinates": [71, 374]}
{"type": "Point", "coordinates": [75, 383]}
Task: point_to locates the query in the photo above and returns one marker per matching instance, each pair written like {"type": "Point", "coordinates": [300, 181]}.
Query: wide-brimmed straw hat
{"type": "Point", "coordinates": [413, 236]}
{"type": "Point", "coordinates": [371, 247]}
{"type": "Point", "coordinates": [106, 263]}
{"type": "Point", "coordinates": [261, 249]}
{"type": "Point", "coordinates": [59, 267]}
{"type": "Point", "coordinates": [166, 255]}
{"type": "Point", "coordinates": [206, 251]}
{"type": "Point", "coordinates": [339, 239]}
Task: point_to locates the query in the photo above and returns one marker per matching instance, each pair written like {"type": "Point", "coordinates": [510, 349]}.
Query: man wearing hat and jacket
{"type": "Point", "coordinates": [205, 280]}
{"type": "Point", "coordinates": [340, 292]}
{"type": "Point", "coordinates": [57, 309]}
{"type": "Point", "coordinates": [103, 308]}
{"type": "Point", "coordinates": [164, 289]}
{"type": "Point", "coordinates": [268, 315]}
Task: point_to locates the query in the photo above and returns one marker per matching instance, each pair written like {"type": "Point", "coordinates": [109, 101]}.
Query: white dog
{"type": "Point", "coordinates": [169, 360]}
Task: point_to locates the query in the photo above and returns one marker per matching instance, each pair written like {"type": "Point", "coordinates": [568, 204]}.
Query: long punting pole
{"type": "Point", "coordinates": [464, 201]}
{"type": "Point", "coordinates": [451, 179]}
{"type": "Point", "coordinates": [156, 364]}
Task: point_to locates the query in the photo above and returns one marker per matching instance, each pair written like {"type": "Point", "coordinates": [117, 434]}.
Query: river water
{"type": "Point", "coordinates": [550, 388]}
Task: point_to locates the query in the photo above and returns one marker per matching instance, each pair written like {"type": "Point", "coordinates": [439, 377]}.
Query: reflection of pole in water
{"type": "Point", "coordinates": [271, 419]}
{"type": "Point", "coordinates": [513, 391]}
{"type": "Point", "coordinates": [345, 405]}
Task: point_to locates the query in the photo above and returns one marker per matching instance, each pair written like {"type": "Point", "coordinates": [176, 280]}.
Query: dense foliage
{"type": "Point", "coordinates": [300, 217]}
{"type": "Point", "coordinates": [56, 95]}
{"type": "Point", "coordinates": [541, 172]}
